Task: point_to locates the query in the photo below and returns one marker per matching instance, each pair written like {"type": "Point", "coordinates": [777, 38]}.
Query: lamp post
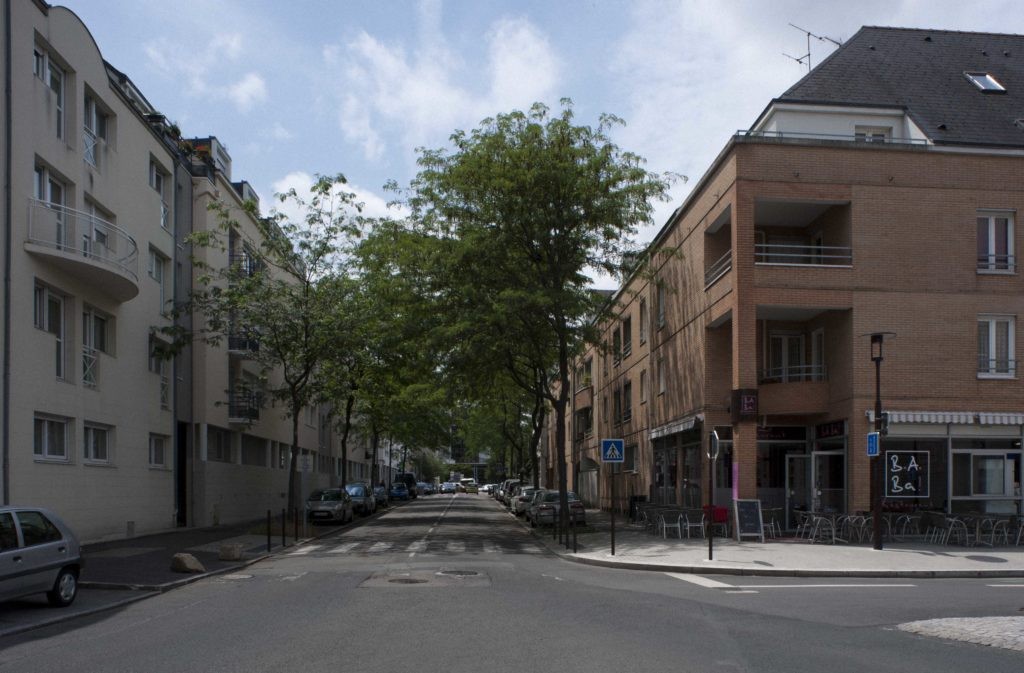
{"type": "Point", "coordinates": [877, 476]}
{"type": "Point", "coordinates": [712, 457]}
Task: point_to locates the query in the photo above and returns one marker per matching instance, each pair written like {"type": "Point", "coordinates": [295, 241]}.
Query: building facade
{"type": "Point", "coordinates": [99, 199]}
{"type": "Point", "coordinates": [858, 203]}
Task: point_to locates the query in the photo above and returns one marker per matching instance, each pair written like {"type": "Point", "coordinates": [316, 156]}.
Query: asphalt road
{"type": "Point", "coordinates": [456, 584]}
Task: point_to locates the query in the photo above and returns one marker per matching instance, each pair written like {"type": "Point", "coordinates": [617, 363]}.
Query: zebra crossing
{"type": "Point", "coordinates": [420, 546]}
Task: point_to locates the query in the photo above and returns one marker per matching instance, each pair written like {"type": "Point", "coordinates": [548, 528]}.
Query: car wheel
{"type": "Point", "coordinates": [64, 589]}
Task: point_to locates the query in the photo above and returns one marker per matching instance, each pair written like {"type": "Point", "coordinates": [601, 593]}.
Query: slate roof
{"type": "Point", "coordinates": [922, 71]}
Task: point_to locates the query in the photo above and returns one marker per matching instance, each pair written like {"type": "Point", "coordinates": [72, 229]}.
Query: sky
{"type": "Point", "coordinates": [297, 88]}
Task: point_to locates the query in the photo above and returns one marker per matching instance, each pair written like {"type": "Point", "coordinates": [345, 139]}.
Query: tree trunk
{"type": "Point", "coordinates": [349, 403]}
{"type": "Point", "coordinates": [293, 474]}
{"type": "Point", "coordinates": [560, 404]}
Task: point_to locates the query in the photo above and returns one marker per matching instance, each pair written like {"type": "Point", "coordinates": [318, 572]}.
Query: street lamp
{"type": "Point", "coordinates": [877, 475]}
{"type": "Point", "coordinates": [713, 448]}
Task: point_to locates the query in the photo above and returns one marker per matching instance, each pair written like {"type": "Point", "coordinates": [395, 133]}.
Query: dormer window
{"type": "Point", "coordinates": [985, 81]}
{"type": "Point", "coordinates": [872, 134]}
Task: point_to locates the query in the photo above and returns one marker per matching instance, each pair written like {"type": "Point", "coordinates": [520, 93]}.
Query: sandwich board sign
{"type": "Point", "coordinates": [613, 451]}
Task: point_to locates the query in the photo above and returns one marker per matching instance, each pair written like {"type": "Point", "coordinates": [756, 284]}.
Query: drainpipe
{"type": "Point", "coordinates": [8, 235]}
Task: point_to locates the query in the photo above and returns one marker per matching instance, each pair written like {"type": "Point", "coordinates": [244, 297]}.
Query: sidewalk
{"type": "Point", "coordinates": [640, 550]}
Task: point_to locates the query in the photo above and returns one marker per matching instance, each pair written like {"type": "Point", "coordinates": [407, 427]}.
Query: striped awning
{"type": "Point", "coordinates": [1001, 419]}
{"type": "Point", "coordinates": [961, 417]}
{"type": "Point", "coordinates": [683, 424]}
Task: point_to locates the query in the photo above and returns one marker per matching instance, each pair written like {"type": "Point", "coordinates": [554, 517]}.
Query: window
{"type": "Point", "coordinates": [50, 438]}
{"type": "Point", "coordinates": [157, 180]}
{"type": "Point", "coordinates": [53, 75]}
{"type": "Point", "coordinates": [8, 534]}
{"type": "Point", "coordinates": [94, 340]}
{"type": "Point", "coordinates": [661, 375]}
{"type": "Point", "coordinates": [38, 63]}
{"type": "Point", "coordinates": [627, 401]}
{"type": "Point", "coordinates": [37, 529]}
{"type": "Point", "coordinates": [985, 81]}
{"type": "Point", "coordinates": [616, 346]}
{"type": "Point", "coordinates": [51, 226]}
{"type": "Point", "coordinates": [604, 408]}
{"type": "Point", "coordinates": [158, 365]}
{"type": "Point", "coordinates": [872, 134]}
{"type": "Point", "coordinates": [817, 355]}
{"type": "Point", "coordinates": [629, 458]}
{"type": "Point", "coordinates": [996, 347]}
{"type": "Point", "coordinates": [96, 239]}
{"type": "Point", "coordinates": [643, 321]}
{"type": "Point", "coordinates": [158, 272]}
{"type": "Point", "coordinates": [48, 315]}
{"type": "Point", "coordinates": [94, 131]}
{"type": "Point", "coordinates": [617, 406]}
{"type": "Point", "coordinates": [218, 445]}
{"type": "Point", "coordinates": [627, 336]}
{"type": "Point", "coordinates": [643, 386]}
{"type": "Point", "coordinates": [157, 451]}
{"type": "Point", "coordinates": [786, 358]}
{"type": "Point", "coordinates": [661, 306]}
{"type": "Point", "coordinates": [995, 242]}
{"type": "Point", "coordinates": [95, 443]}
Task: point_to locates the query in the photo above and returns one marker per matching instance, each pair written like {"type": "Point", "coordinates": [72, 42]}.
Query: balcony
{"type": "Point", "coordinates": [243, 263]}
{"type": "Point", "coordinates": [93, 250]}
{"type": "Point", "coordinates": [244, 406]}
{"type": "Point", "coordinates": [242, 344]}
{"type": "Point", "coordinates": [803, 255]}
{"type": "Point", "coordinates": [793, 374]}
{"type": "Point", "coordinates": [721, 267]}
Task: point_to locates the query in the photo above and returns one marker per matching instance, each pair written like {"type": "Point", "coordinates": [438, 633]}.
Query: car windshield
{"type": "Point", "coordinates": [356, 489]}
{"type": "Point", "coordinates": [325, 495]}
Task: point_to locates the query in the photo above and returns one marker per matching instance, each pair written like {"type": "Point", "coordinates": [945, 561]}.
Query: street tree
{"type": "Point", "coordinates": [530, 204]}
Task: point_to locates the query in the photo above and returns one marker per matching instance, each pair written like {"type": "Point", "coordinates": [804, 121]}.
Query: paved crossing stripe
{"type": "Point", "coordinates": [344, 548]}
{"type": "Point", "coordinates": [417, 546]}
{"type": "Point", "coordinates": [456, 547]}
{"type": "Point", "coordinates": [701, 581]}
{"type": "Point", "coordinates": [302, 551]}
{"type": "Point", "coordinates": [379, 547]}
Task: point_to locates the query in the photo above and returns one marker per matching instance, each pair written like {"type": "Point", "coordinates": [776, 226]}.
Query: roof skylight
{"type": "Point", "coordinates": [985, 81]}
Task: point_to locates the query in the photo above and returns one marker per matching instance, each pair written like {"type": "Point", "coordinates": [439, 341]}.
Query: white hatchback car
{"type": "Point", "coordinates": [38, 554]}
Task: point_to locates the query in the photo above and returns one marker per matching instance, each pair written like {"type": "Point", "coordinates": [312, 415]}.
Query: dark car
{"type": "Point", "coordinates": [399, 491]}
{"type": "Point", "coordinates": [362, 498]}
{"type": "Point", "coordinates": [38, 554]}
{"type": "Point", "coordinates": [380, 494]}
{"type": "Point", "coordinates": [409, 479]}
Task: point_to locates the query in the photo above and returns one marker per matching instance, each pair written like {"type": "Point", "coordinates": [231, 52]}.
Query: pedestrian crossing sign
{"type": "Point", "coordinates": [613, 451]}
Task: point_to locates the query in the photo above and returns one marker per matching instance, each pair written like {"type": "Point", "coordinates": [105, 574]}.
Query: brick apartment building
{"type": "Point", "coordinates": [878, 194]}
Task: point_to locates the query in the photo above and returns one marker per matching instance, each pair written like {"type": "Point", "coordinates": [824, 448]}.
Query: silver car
{"type": "Point", "coordinates": [38, 554]}
{"type": "Point", "coordinates": [329, 504]}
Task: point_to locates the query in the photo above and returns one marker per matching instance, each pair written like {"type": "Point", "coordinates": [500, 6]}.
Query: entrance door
{"type": "Point", "coordinates": [829, 480]}
{"type": "Point", "coordinates": [798, 479]}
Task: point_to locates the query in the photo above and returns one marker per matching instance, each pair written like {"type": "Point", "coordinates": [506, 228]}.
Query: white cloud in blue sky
{"type": "Point", "coordinates": [310, 86]}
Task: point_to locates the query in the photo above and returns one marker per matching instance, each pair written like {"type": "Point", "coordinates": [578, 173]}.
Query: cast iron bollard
{"type": "Point", "coordinates": [283, 526]}
{"type": "Point", "coordinates": [268, 531]}
{"type": "Point", "coordinates": [295, 524]}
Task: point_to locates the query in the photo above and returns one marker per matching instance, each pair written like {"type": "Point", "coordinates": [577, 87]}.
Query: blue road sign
{"type": "Point", "coordinates": [613, 451]}
{"type": "Point", "coordinates": [872, 444]}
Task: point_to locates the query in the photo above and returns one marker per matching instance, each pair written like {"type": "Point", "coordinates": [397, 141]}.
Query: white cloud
{"type": "Point", "coordinates": [372, 203]}
{"type": "Point", "coordinates": [418, 97]}
{"type": "Point", "coordinates": [279, 132]}
{"type": "Point", "coordinates": [246, 92]}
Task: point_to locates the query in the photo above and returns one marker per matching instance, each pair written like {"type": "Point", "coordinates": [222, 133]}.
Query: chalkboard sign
{"type": "Point", "coordinates": [748, 519]}
{"type": "Point", "coordinates": [906, 474]}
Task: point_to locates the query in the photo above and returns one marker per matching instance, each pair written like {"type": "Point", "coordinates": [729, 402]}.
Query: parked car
{"type": "Point", "coordinates": [487, 488]}
{"type": "Point", "coordinates": [362, 498]}
{"type": "Point", "coordinates": [38, 554]}
{"type": "Point", "coordinates": [425, 488]}
{"type": "Point", "coordinates": [505, 493]}
{"type": "Point", "coordinates": [523, 499]}
{"type": "Point", "coordinates": [399, 491]}
{"type": "Point", "coordinates": [471, 487]}
{"type": "Point", "coordinates": [449, 487]}
{"type": "Point", "coordinates": [329, 504]}
{"type": "Point", "coordinates": [380, 494]}
{"type": "Point", "coordinates": [545, 507]}
{"type": "Point", "coordinates": [409, 479]}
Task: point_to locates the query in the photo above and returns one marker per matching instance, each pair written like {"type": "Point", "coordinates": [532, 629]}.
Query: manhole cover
{"type": "Point", "coordinates": [406, 580]}
{"type": "Point", "coordinates": [459, 573]}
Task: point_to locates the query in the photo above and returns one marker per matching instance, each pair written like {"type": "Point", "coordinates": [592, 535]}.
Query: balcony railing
{"type": "Point", "coordinates": [803, 255]}
{"type": "Point", "coordinates": [243, 343]}
{"type": "Point", "coordinates": [794, 373]}
{"type": "Point", "coordinates": [718, 269]}
{"type": "Point", "coordinates": [90, 147]}
{"type": "Point", "coordinates": [77, 232]}
{"type": "Point", "coordinates": [999, 367]}
{"type": "Point", "coordinates": [833, 137]}
{"type": "Point", "coordinates": [90, 367]}
{"type": "Point", "coordinates": [996, 263]}
{"type": "Point", "coordinates": [244, 406]}
{"type": "Point", "coordinates": [245, 263]}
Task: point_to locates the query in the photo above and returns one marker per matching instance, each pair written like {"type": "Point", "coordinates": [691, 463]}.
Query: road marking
{"type": "Point", "coordinates": [379, 547]}
{"type": "Point", "coordinates": [342, 548]}
{"type": "Point", "coordinates": [302, 551]}
{"type": "Point", "coordinates": [1005, 585]}
{"type": "Point", "coordinates": [418, 545]}
{"type": "Point", "coordinates": [823, 586]}
{"type": "Point", "coordinates": [491, 548]}
{"type": "Point", "coordinates": [701, 581]}
{"type": "Point", "coordinates": [456, 547]}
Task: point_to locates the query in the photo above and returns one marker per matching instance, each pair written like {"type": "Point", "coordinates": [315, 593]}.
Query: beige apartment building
{"type": "Point", "coordinates": [99, 199]}
{"type": "Point", "coordinates": [877, 195]}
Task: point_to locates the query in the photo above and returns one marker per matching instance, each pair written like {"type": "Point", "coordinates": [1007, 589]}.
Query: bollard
{"type": "Point", "coordinates": [573, 534]}
{"type": "Point", "coordinates": [283, 526]}
{"type": "Point", "coordinates": [268, 531]}
{"type": "Point", "coordinates": [295, 524]}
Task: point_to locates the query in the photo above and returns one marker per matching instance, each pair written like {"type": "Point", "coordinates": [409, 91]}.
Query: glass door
{"type": "Point", "coordinates": [798, 479]}
{"type": "Point", "coordinates": [829, 478]}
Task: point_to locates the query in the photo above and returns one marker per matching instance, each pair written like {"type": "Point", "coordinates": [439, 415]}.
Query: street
{"type": "Point", "coordinates": [454, 583]}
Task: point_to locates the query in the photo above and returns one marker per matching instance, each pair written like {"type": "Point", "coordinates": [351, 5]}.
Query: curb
{"type": "Point", "coordinates": [15, 630]}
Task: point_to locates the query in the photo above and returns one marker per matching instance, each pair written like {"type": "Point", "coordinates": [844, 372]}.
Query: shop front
{"type": "Point", "coordinates": [676, 463]}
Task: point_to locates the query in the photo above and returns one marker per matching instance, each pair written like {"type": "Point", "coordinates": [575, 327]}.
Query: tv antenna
{"type": "Point", "coordinates": [806, 58]}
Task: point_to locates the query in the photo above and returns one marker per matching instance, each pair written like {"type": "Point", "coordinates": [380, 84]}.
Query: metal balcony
{"type": "Point", "coordinates": [243, 344]}
{"type": "Point", "coordinates": [721, 267]}
{"type": "Point", "coordinates": [244, 406]}
{"type": "Point", "coordinates": [803, 255]}
{"type": "Point", "coordinates": [794, 373]}
{"type": "Point", "coordinates": [93, 250]}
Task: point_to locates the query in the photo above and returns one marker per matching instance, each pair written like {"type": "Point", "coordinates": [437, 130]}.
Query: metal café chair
{"type": "Point", "coordinates": [666, 521]}
{"type": "Point", "coordinates": [692, 520]}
